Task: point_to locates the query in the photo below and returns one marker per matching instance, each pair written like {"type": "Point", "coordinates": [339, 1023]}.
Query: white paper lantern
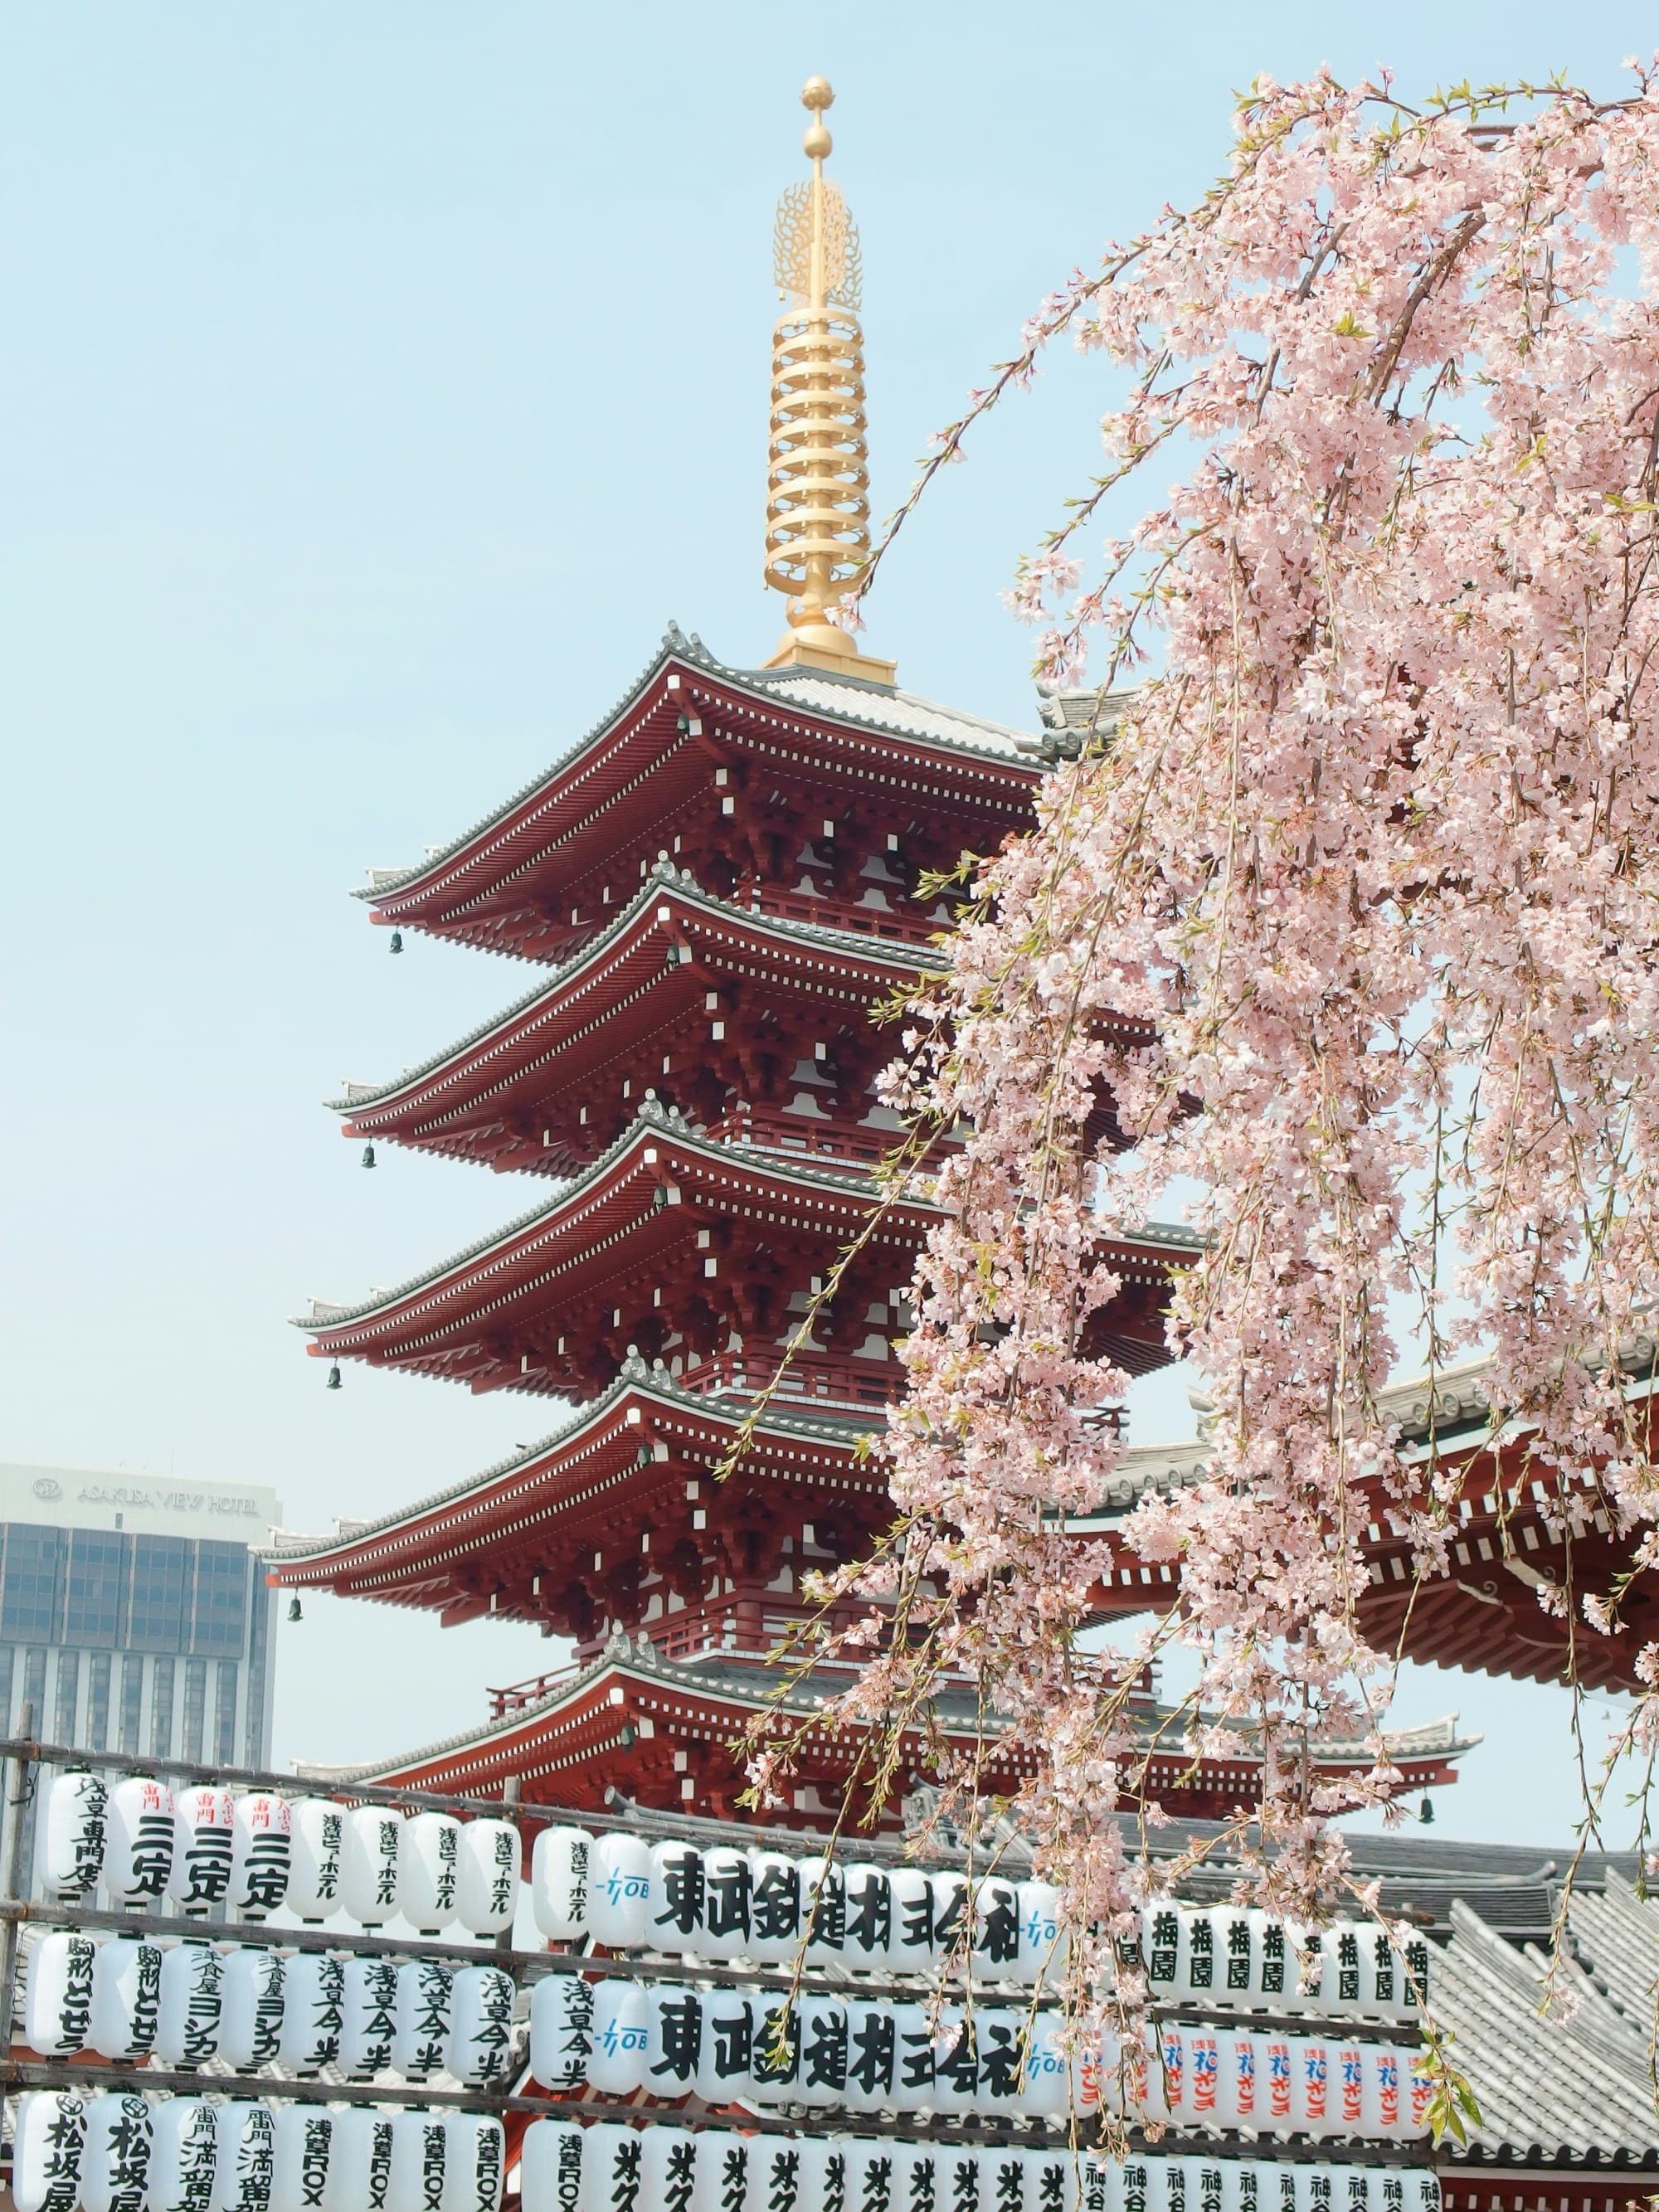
{"type": "Point", "coordinates": [313, 1988]}
{"type": "Point", "coordinates": [480, 2024]}
{"type": "Point", "coordinates": [773, 2181]}
{"type": "Point", "coordinates": [1422, 2191]}
{"type": "Point", "coordinates": [825, 2029]}
{"type": "Point", "coordinates": [1386, 2097]}
{"type": "Point", "coordinates": [316, 1836]}
{"type": "Point", "coordinates": [1094, 2191]}
{"type": "Point", "coordinates": [1310, 2085]}
{"type": "Point", "coordinates": [1212, 2185]}
{"type": "Point", "coordinates": [1247, 2186]}
{"type": "Point", "coordinates": [560, 2031]}
{"type": "Point", "coordinates": [728, 1882]}
{"type": "Point", "coordinates": [1314, 2188]}
{"type": "Point", "coordinates": [368, 1864]}
{"type": "Point", "coordinates": [1202, 2075]}
{"type": "Point", "coordinates": [203, 1842]}
{"type": "Point", "coordinates": [676, 1895]}
{"type": "Point", "coordinates": [621, 2029]}
{"type": "Point", "coordinates": [1051, 2181]}
{"type": "Point", "coordinates": [1346, 2096]}
{"type": "Point", "coordinates": [184, 2150]}
{"type": "Point", "coordinates": [487, 1887]}
{"type": "Point", "coordinates": [127, 1997]}
{"type": "Point", "coordinates": [1278, 2085]}
{"type": "Point", "coordinates": [1272, 1957]}
{"type": "Point", "coordinates": [550, 2166]}
{"type": "Point", "coordinates": [261, 1854]}
{"type": "Point", "coordinates": [359, 2160]}
{"type": "Point", "coordinates": [868, 2186]}
{"type": "Point", "coordinates": [1164, 1950]}
{"type": "Point", "coordinates": [774, 2059]}
{"type": "Point", "coordinates": [1415, 1979]}
{"type": "Point", "coordinates": [1202, 1978]}
{"type": "Point", "coordinates": [1279, 2185]}
{"type": "Point", "coordinates": [1133, 2189]}
{"type": "Point", "coordinates": [1181, 2184]}
{"type": "Point", "coordinates": [915, 2058]}
{"type": "Point", "coordinates": [368, 2016]}
{"type": "Point", "coordinates": [722, 2175]}
{"type": "Point", "coordinates": [243, 2157]}
{"type": "Point", "coordinates": [420, 2040]}
{"type": "Point", "coordinates": [775, 1907]}
{"type": "Point", "coordinates": [1351, 2190]}
{"type": "Point", "coordinates": [1340, 1978]}
{"type": "Point", "coordinates": [1170, 2068]}
{"type": "Point", "coordinates": [619, 1908]}
{"type": "Point", "coordinates": [869, 1916]}
{"type": "Point", "coordinates": [611, 2169]}
{"type": "Point", "coordinates": [1044, 1945]}
{"type": "Point", "coordinates": [921, 2177]}
{"type": "Point", "coordinates": [1382, 1972]}
{"type": "Point", "coordinates": [725, 2067]}
{"type": "Point", "coordinates": [72, 1834]}
{"type": "Point", "coordinates": [823, 1912]}
{"type": "Point", "coordinates": [138, 1841]}
{"type": "Point", "coordinates": [955, 2065]}
{"type": "Point", "coordinates": [428, 1864]}
{"type": "Point", "coordinates": [560, 1864]}
{"type": "Point", "coordinates": [251, 2009]}
{"type": "Point", "coordinates": [910, 1932]}
{"type": "Point", "coordinates": [1415, 2066]}
{"type": "Point", "coordinates": [49, 2133]}
{"type": "Point", "coordinates": [58, 2001]}
{"type": "Point", "coordinates": [668, 2171]}
{"type": "Point", "coordinates": [956, 2182]}
{"type": "Point", "coordinates": [1047, 2093]}
{"type": "Point", "coordinates": [192, 2002]}
{"type": "Point", "coordinates": [1241, 2079]}
{"type": "Point", "coordinates": [673, 2039]}
{"type": "Point", "coordinates": [1235, 1953]}
{"type": "Point", "coordinates": [996, 1929]}
{"type": "Point", "coordinates": [420, 2161]}
{"type": "Point", "coordinates": [871, 2057]}
{"type": "Point", "coordinates": [302, 2149]}
{"type": "Point", "coordinates": [474, 2162]}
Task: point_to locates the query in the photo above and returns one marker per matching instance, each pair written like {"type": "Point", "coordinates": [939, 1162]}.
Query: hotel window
{"type": "Point", "coordinates": [160, 1708]}
{"type": "Point", "coordinates": [31, 1599]}
{"type": "Point", "coordinates": [66, 1715]}
{"type": "Point", "coordinates": [195, 1706]}
{"type": "Point", "coordinates": [95, 1604]}
{"type": "Point", "coordinates": [34, 1690]}
{"type": "Point", "coordinates": [132, 1704]}
{"type": "Point", "coordinates": [224, 1714]}
{"type": "Point", "coordinates": [98, 1674]}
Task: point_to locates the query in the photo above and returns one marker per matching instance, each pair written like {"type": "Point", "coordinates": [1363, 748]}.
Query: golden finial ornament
{"type": "Point", "coordinates": [817, 507]}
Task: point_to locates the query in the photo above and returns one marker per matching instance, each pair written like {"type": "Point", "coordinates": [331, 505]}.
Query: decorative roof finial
{"type": "Point", "coordinates": [817, 507]}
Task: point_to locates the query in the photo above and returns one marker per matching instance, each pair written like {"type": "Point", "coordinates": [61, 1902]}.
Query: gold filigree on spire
{"type": "Point", "coordinates": [818, 511]}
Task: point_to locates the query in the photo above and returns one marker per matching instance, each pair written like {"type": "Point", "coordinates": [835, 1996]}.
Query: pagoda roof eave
{"type": "Point", "coordinates": [815, 695]}
{"type": "Point", "coordinates": [666, 883]}
{"type": "Point", "coordinates": [633, 1668]}
{"type": "Point", "coordinates": [653, 1126]}
{"type": "Point", "coordinates": [306, 1562]}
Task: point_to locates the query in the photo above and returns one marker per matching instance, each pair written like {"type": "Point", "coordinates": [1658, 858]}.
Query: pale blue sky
{"type": "Point", "coordinates": [376, 380]}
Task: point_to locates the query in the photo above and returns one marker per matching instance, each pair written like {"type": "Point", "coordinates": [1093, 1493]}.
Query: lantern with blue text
{"type": "Point", "coordinates": [191, 2002]}
{"type": "Point", "coordinates": [138, 1841]}
{"type": "Point", "coordinates": [619, 1908]}
{"type": "Point", "coordinates": [616, 2065]}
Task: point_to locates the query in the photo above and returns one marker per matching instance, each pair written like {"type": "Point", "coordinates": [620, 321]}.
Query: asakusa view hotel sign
{"type": "Point", "coordinates": [72, 1497]}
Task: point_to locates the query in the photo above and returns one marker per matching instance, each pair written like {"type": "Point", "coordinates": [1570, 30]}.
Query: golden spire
{"type": "Point", "coordinates": [817, 507]}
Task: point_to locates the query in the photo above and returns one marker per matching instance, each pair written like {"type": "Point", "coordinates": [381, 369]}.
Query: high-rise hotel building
{"type": "Point", "coordinates": [134, 1613]}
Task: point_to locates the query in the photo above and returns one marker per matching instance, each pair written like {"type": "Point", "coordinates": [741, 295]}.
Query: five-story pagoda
{"type": "Point", "coordinates": [720, 883]}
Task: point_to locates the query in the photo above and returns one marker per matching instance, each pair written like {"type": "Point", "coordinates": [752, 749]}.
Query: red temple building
{"type": "Point", "coordinates": [717, 886]}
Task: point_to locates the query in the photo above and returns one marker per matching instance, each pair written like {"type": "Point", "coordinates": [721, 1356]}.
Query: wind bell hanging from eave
{"type": "Point", "coordinates": [817, 503]}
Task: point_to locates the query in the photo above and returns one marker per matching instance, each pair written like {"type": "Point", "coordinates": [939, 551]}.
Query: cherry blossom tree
{"type": "Point", "coordinates": [1352, 904]}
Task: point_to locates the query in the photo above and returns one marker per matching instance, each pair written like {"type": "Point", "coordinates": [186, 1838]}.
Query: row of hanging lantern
{"type": "Point", "coordinates": [610, 2168]}
{"type": "Point", "coordinates": [760, 1904]}
{"type": "Point", "coordinates": [187, 2003]}
{"type": "Point", "coordinates": [203, 1848]}
{"type": "Point", "coordinates": [623, 2039]}
{"type": "Point", "coordinates": [123, 2152]}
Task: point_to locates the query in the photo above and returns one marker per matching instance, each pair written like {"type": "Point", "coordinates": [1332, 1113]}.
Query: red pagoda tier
{"type": "Point", "coordinates": [660, 1732]}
